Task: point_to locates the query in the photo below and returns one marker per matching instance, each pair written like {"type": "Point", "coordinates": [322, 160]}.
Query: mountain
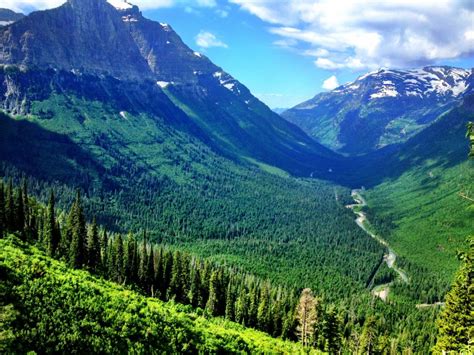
{"type": "Point", "coordinates": [92, 37]}
{"type": "Point", "coordinates": [381, 108]}
{"type": "Point", "coordinates": [174, 146]}
{"type": "Point", "coordinates": [8, 16]}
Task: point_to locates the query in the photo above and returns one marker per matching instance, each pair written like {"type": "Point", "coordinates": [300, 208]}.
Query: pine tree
{"type": "Point", "coordinates": [19, 217]}
{"type": "Point", "coordinates": [306, 316]}
{"type": "Point", "coordinates": [150, 272]}
{"type": "Point", "coordinates": [241, 306]}
{"type": "Point", "coordinates": [3, 218]}
{"type": "Point", "coordinates": [230, 301]}
{"type": "Point", "coordinates": [194, 294]}
{"type": "Point", "coordinates": [212, 305]}
{"type": "Point", "coordinates": [167, 267]}
{"type": "Point", "coordinates": [142, 269]}
{"type": "Point", "coordinates": [10, 207]}
{"type": "Point", "coordinates": [456, 322]}
{"type": "Point", "coordinates": [368, 337]}
{"type": "Point", "coordinates": [131, 259]}
{"type": "Point", "coordinates": [26, 208]}
{"type": "Point", "coordinates": [50, 233]}
{"type": "Point", "coordinates": [119, 272]}
{"type": "Point", "coordinates": [104, 241]}
{"type": "Point", "coordinates": [175, 289]}
{"type": "Point", "coordinates": [78, 233]}
{"type": "Point", "coordinates": [263, 311]}
{"type": "Point", "coordinates": [93, 247]}
{"type": "Point", "coordinates": [332, 331]}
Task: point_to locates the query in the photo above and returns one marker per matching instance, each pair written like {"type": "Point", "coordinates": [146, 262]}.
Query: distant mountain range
{"type": "Point", "coordinates": [381, 108]}
{"type": "Point", "coordinates": [8, 16]}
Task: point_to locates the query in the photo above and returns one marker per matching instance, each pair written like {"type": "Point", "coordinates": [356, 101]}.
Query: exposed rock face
{"type": "Point", "coordinates": [90, 47]}
{"type": "Point", "coordinates": [166, 54]}
{"type": "Point", "coordinates": [81, 35]}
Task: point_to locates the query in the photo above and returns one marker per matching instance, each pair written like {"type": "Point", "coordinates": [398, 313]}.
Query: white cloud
{"type": "Point", "coordinates": [206, 39]}
{"type": "Point", "coordinates": [330, 83]}
{"type": "Point", "coordinates": [366, 34]}
{"type": "Point", "coordinates": [206, 3]}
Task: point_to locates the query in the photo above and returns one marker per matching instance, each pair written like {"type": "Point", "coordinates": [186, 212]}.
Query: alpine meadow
{"type": "Point", "coordinates": [153, 203]}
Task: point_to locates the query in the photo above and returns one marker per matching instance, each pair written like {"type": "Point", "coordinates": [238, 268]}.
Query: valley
{"type": "Point", "coordinates": [389, 258]}
{"type": "Point", "coordinates": [159, 205]}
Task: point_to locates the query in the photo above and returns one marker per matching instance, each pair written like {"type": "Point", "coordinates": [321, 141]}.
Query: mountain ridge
{"type": "Point", "coordinates": [384, 107]}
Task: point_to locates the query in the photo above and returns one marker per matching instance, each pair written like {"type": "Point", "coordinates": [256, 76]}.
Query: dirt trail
{"type": "Point", "coordinates": [390, 257]}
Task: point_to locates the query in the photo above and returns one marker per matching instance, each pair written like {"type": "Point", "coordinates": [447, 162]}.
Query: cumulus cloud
{"type": "Point", "coordinates": [330, 83]}
{"type": "Point", "coordinates": [365, 34]}
{"type": "Point", "coordinates": [205, 39]}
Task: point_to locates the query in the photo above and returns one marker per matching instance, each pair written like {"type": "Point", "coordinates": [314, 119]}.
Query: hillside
{"type": "Point", "coordinates": [420, 204]}
{"type": "Point", "coordinates": [119, 50]}
{"type": "Point", "coordinates": [155, 152]}
{"type": "Point", "coordinates": [381, 108]}
{"type": "Point", "coordinates": [41, 299]}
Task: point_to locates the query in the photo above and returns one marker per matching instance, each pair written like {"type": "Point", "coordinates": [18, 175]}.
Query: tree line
{"type": "Point", "coordinates": [162, 272]}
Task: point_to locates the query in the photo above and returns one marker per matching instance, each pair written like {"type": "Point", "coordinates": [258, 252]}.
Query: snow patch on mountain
{"type": "Point", "coordinates": [441, 82]}
{"type": "Point", "coordinates": [162, 84]}
{"type": "Point", "coordinates": [120, 4]}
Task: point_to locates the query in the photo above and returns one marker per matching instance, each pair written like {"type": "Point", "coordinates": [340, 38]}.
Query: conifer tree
{"type": "Point", "coordinates": [3, 219]}
{"type": "Point", "coordinates": [456, 323]}
{"type": "Point", "coordinates": [263, 311]}
{"type": "Point", "coordinates": [150, 272]}
{"type": "Point", "coordinates": [241, 306]}
{"type": "Point", "coordinates": [142, 269]}
{"type": "Point", "coordinates": [10, 207]}
{"type": "Point", "coordinates": [368, 337]}
{"type": "Point", "coordinates": [332, 331]}
{"type": "Point", "coordinates": [26, 208]}
{"type": "Point", "coordinates": [194, 294]}
{"type": "Point", "coordinates": [230, 301]}
{"type": "Point", "coordinates": [93, 247]}
{"type": "Point", "coordinates": [175, 288]}
{"type": "Point", "coordinates": [50, 233]}
{"type": "Point", "coordinates": [104, 241]}
{"type": "Point", "coordinates": [118, 253]}
{"type": "Point", "coordinates": [19, 217]}
{"type": "Point", "coordinates": [306, 316]}
{"type": "Point", "coordinates": [132, 260]}
{"type": "Point", "coordinates": [78, 233]}
{"type": "Point", "coordinates": [212, 305]}
{"type": "Point", "coordinates": [167, 267]}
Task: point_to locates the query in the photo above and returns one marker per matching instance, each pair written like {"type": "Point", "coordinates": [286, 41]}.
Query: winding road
{"type": "Point", "coordinates": [390, 257]}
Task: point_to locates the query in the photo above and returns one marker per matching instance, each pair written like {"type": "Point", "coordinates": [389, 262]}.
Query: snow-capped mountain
{"type": "Point", "coordinates": [8, 16]}
{"type": "Point", "coordinates": [428, 82]}
{"type": "Point", "coordinates": [382, 107]}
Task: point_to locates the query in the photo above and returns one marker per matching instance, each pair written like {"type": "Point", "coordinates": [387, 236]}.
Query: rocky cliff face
{"type": "Point", "coordinates": [82, 35]}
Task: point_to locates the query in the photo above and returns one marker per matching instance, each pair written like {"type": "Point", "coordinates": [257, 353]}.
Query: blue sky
{"type": "Point", "coordinates": [286, 51]}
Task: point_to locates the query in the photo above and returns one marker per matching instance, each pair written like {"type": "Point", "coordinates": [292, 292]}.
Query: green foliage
{"type": "Point", "coordinates": [47, 307]}
{"type": "Point", "coordinates": [456, 322]}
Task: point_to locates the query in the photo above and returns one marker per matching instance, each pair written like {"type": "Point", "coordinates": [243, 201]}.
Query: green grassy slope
{"type": "Point", "coordinates": [141, 171]}
{"type": "Point", "coordinates": [429, 220]}
{"type": "Point", "coordinates": [46, 306]}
